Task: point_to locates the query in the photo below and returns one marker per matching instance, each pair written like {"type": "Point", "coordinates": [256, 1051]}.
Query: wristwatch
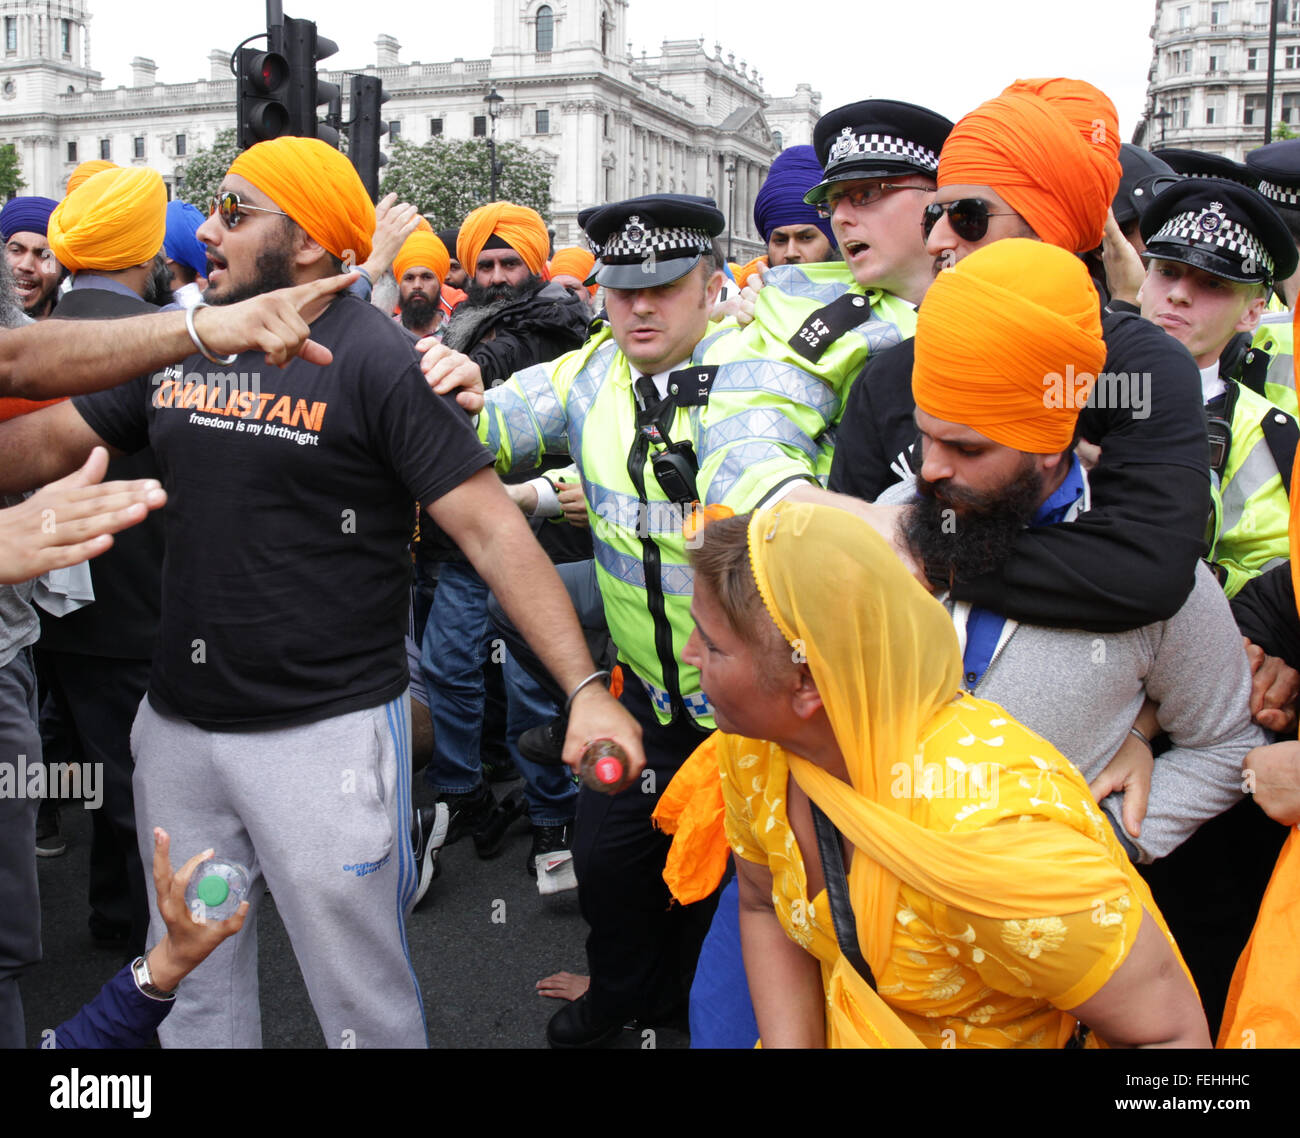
{"type": "Point", "coordinates": [143, 981]}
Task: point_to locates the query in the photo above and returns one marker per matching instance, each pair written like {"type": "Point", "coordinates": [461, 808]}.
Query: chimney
{"type": "Point", "coordinates": [144, 72]}
{"type": "Point", "coordinates": [386, 49]}
{"type": "Point", "coordinates": [218, 64]}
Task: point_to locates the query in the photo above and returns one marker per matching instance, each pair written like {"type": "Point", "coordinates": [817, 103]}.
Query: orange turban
{"type": "Point", "coordinates": [87, 169]}
{"type": "Point", "coordinates": [113, 220]}
{"type": "Point", "coordinates": [518, 226]}
{"type": "Point", "coordinates": [1008, 343]}
{"type": "Point", "coordinates": [574, 262]}
{"type": "Point", "coordinates": [422, 248]}
{"type": "Point", "coordinates": [1050, 148]}
{"type": "Point", "coordinates": [316, 186]}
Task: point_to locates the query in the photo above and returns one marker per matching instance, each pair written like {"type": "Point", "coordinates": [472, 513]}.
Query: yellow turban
{"type": "Point", "coordinates": [1008, 343]}
{"type": "Point", "coordinates": [518, 226]}
{"type": "Point", "coordinates": [316, 186]}
{"type": "Point", "coordinates": [422, 248]}
{"type": "Point", "coordinates": [574, 262]}
{"type": "Point", "coordinates": [113, 220]}
{"type": "Point", "coordinates": [87, 169]}
{"type": "Point", "coordinates": [1050, 148]}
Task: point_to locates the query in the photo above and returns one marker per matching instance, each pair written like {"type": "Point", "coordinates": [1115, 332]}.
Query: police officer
{"type": "Point", "coordinates": [1214, 249]}
{"type": "Point", "coordinates": [658, 411]}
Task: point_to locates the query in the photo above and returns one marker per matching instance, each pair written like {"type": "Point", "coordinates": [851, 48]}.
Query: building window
{"type": "Point", "coordinates": [138, 148]}
{"type": "Point", "coordinates": [435, 128]}
{"type": "Point", "coordinates": [66, 37]}
{"type": "Point", "coordinates": [1214, 109]}
{"type": "Point", "coordinates": [72, 151]}
{"type": "Point", "coordinates": [604, 127]}
{"type": "Point", "coordinates": [1293, 11]}
{"type": "Point", "coordinates": [1254, 114]}
{"type": "Point", "coordinates": [1218, 57]}
{"type": "Point", "coordinates": [180, 146]}
{"type": "Point", "coordinates": [1261, 12]}
{"type": "Point", "coordinates": [1291, 109]}
{"type": "Point", "coordinates": [11, 33]}
{"type": "Point", "coordinates": [1254, 57]}
{"type": "Point", "coordinates": [778, 140]}
{"type": "Point", "coordinates": [1180, 62]}
{"type": "Point", "coordinates": [543, 122]}
{"type": "Point", "coordinates": [1179, 112]}
{"type": "Point", "coordinates": [604, 35]}
{"type": "Point", "coordinates": [480, 126]}
{"type": "Point", "coordinates": [395, 129]}
{"type": "Point", "coordinates": [545, 28]}
{"type": "Point", "coordinates": [1219, 12]}
{"type": "Point", "coordinates": [1292, 58]}
{"type": "Point", "coordinates": [106, 149]}
{"type": "Point", "coordinates": [1184, 17]}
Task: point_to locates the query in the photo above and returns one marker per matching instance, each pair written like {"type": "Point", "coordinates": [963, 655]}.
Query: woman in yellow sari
{"type": "Point", "coordinates": [989, 898]}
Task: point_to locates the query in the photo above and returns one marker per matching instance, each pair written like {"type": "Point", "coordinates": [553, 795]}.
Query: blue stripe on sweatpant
{"type": "Point", "coordinates": [397, 712]}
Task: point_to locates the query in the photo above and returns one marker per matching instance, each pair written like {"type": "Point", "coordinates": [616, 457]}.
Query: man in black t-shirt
{"type": "Point", "coordinates": [275, 728]}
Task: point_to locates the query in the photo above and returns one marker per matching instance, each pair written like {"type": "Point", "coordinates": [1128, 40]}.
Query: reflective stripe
{"type": "Point", "coordinates": [677, 580]}
{"type": "Point", "coordinates": [582, 394]}
{"type": "Point", "coordinates": [793, 281]}
{"type": "Point", "coordinates": [737, 464]}
{"type": "Point", "coordinates": [748, 376]}
{"type": "Point", "coordinates": [697, 703]}
{"type": "Point", "coordinates": [1281, 371]}
{"type": "Point", "coordinates": [1246, 481]}
{"type": "Point", "coordinates": [755, 423]}
{"type": "Point", "coordinates": [508, 407]}
{"type": "Point", "coordinates": [614, 508]}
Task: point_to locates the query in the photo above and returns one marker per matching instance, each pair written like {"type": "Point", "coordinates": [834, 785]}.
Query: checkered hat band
{"type": "Point", "coordinates": [633, 244]}
{"type": "Point", "coordinates": [1280, 195]}
{"type": "Point", "coordinates": [852, 148]}
{"type": "Point", "coordinates": [1230, 238]}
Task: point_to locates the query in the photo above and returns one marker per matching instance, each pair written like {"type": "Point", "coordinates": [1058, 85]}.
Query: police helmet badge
{"type": "Point", "coordinates": [843, 146]}
{"type": "Point", "coordinates": [633, 233]}
{"type": "Point", "coordinates": [1212, 219]}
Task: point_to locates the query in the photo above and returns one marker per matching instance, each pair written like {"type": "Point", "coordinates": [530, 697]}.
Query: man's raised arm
{"type": "Point", "coordinates": [71, 357]}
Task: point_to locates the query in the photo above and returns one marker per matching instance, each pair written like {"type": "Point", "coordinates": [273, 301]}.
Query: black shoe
{"type": "Point", "coordinates": [428, 833]}
{"type": "Point", "coordinates": [544, 744]}
{"type": "Point", "coordinates": [491, 836]}
{"type": "Point", "coordinates": [548, 839]}
{"type": "Point", "coordinates": [469, 812]}
{"type": "Point", "coordinates": [49, 842]}
{"type": "Point", "coordinates": [501, 770]}
{"type": "Point", "coordinates": [575, 1025]}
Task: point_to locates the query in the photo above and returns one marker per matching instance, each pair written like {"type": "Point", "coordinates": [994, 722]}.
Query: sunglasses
{"type": "Point", "coordinates": [862, 196]}
{"type": "Point", "coordinates": [969, 217]}
{"type": "Point", "coordinates": [230, 208]}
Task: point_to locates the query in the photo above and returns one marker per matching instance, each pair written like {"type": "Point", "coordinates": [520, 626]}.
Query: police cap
{"type": "Point", "coordinates": [1222, 227]}
{"type": "Point", "coordinates": [877, 138]}
{"type": "Point", "coordinates": [1203, 164]}
{"type": "Point", "coordinates": [1277, 166]}
{"type": "Point", "coordinates": [649, 241]}
{"type": "Point", "coordinates": [1134, 193]}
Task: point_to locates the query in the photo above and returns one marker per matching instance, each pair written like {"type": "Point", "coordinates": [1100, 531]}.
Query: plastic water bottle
{"type": "Point", "coordinates": [604, 767]}
{"type": "Point", "coordinates": [216, 889]}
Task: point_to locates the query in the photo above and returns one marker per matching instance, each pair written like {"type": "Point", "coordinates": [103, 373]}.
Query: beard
{"type": "Point", "coordinates": [272, 270]}
{"type": "Point", "coordinates": [11, 310]}
{"type": "Point", "coordinates": [961, 534]}
{"type": "Point", "coordinates": [478, 295]}
{"type": "Point", "coordinates": [417, 311]}
{"type": "Point", "coordinates": [158, 288]}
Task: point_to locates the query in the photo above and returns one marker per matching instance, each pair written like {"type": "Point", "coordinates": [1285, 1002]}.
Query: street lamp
{"type": "Point", "coordinates": [1164, 116]}
{"type": "Point", "coordinates": [494, 102]}
{"type": "Point", "coordinates": [730, 171]}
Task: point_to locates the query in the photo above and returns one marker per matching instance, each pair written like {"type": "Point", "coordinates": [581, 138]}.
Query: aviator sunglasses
{"type": "Point", "coordinates": [969, 217]}
{"type": "Point", "coordinates": [861, 196]}
{"type": "Point", "coordinates": [230, 207]}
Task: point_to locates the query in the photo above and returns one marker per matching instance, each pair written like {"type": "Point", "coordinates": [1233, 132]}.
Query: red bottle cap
{"type": "Point", "coordinates": [608, 769]}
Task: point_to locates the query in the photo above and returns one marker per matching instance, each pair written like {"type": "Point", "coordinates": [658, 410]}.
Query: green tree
{"type": "Point", "coordinates": [11, 179]}
{"type": "Point", "coordinates": [1283, 130]}
{"type": "Point", "coordinates": [204, 170]}
{"type": "Point", "coordinates": [446, 179]}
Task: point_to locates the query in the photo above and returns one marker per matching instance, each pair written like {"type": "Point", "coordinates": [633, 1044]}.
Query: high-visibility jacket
{"type": "Point", "coordinates": [756, 411]}
{"type": "Point", "coordinates": [1272, 340]}
{"type": "Point", "coordinates": [1251, 512]}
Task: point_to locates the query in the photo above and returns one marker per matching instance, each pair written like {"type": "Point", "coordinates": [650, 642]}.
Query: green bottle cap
{"type": "Point", "coordinates": [213, 890]}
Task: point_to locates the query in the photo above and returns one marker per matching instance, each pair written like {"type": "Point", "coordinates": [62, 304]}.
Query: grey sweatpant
{"type": "Point", "coordinates": [320, 815]}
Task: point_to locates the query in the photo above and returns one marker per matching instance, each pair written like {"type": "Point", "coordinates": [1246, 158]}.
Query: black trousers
{"type": "Point", "coordinates": [99, 697]}
{"type": "Point", "coordinates": [643, 946]}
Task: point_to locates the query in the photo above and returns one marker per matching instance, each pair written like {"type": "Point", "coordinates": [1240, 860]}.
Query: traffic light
{"type": "Point", "coordinates": [263, 96]}
{"type": "Point", "coordinates": [366, 129]}
{"type": "Point", "coordinates": [303, 48]}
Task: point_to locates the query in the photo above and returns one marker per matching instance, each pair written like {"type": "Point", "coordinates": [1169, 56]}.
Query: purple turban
{"type": "Point", "coordinates": [780, 198]}
{"type": "Point", "coordinates": [180, 243]}
{"type": "Point", "coordinates": [26, 215]}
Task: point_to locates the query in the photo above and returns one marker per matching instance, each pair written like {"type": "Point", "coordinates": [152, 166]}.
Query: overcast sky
{"type": "Point", "coordinates": [947, 54]}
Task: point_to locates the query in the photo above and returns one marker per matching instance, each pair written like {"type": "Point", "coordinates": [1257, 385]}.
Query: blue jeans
{"type": "Point", "coordinates": [457, 640]}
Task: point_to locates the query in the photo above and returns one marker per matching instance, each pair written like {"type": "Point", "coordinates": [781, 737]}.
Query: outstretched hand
{"type": "Point", "coordinates": [71, 520]}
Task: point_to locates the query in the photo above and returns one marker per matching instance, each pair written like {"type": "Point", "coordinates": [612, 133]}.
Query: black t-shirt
{"type": "Point", "coordinates": [290, 499]}
{"type": "Point", "coordinates": [1127, 562]}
